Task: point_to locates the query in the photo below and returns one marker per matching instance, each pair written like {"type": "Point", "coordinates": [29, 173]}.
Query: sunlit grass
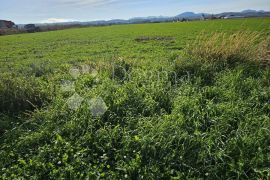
{"type": "Point", "coordinates": [195, 105]}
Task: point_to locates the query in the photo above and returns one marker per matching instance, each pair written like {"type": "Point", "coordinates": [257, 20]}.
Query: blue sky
{"type": "Point", "coordinates": [35, 11]}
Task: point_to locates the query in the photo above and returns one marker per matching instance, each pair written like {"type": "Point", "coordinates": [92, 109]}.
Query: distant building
{"type": "Point", "coordinates": [233, 17]}
{"type": "Point", "coordinates": [6, 24]}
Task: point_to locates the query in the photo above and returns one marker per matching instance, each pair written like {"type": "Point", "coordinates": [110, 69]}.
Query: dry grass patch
{"type": "Point", "coordinates": [231, 48]}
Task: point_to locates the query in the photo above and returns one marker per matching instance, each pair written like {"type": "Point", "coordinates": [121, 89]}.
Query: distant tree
{"type": "Point", "coordinates": [184, 20]}
{"type": "Point", "coordinates": [203, 17]}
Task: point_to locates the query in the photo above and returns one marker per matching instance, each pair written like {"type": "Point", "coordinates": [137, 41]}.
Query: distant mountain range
{"type": "Point", "coordinates": [181, 17]}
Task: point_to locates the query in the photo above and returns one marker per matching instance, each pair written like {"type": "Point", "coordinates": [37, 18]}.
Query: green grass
{"type": "Point", "coordinates": [187, 110]}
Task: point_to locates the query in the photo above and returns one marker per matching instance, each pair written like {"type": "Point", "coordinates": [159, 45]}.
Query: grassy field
{"type": "Point", "coordinates": [147, 101]}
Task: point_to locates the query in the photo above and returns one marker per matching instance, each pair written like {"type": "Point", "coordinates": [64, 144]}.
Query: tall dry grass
{"type": "Point", "coordinates": [230, 48]}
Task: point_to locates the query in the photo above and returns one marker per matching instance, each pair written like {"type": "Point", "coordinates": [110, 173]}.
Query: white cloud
{"type": "Point", "coordinates": [86, 2]}
{"type": "Point", "coordinates": [57, 20]}
{"type": "Point", "coordinates": [97, 2]}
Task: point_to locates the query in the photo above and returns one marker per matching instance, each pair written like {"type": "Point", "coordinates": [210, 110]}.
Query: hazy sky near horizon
{"type": "Point", "coordinates": [38, 11]}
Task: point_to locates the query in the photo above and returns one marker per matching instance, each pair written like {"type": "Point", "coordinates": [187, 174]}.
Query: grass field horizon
{"type": "Point", "coordinates": [143, 101]}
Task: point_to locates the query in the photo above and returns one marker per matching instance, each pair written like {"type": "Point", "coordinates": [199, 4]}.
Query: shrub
{"type": "Point", "coordinates": [18, 94]}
